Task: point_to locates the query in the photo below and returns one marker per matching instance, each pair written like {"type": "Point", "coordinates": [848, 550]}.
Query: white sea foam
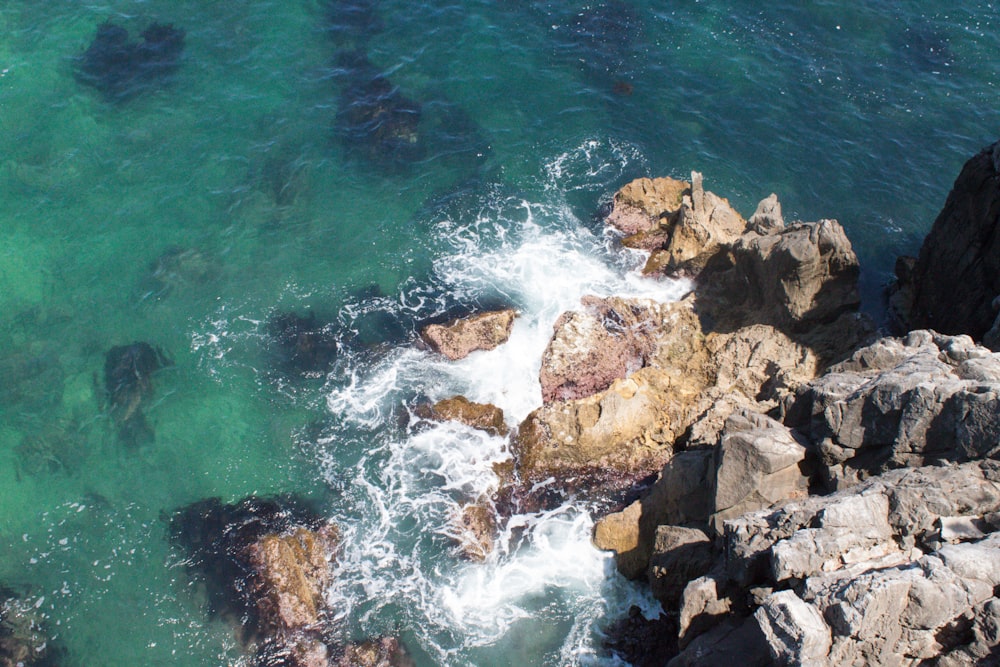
{"type": "Point", "coordinates": [408, 484]}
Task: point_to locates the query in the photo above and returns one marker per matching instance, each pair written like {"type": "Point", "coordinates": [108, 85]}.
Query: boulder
{"type": "Point", "coordinates": [681, 495]}
{"type": "Point", "coordinates": [797, 278]}
{"type": "Point", "coordinates": [474, 529]}
{"type": "Point", "coordinates": [795, 631]}
{"type": "Point", "coordinates": [646, 204]}
{"type": "Point", "coordinates": [759, 463]}
{"type": "Point", "coordinates": [704, 225]}
{"type": "Point", "coordinates": [631, 425]}
{"type": "Point", "coordinates": [485, 417]}
{"type": "Point", "coordinates": [679, 555]}
{"type": "Point", "coordinates": [953, 284]}
{"type": "Point", "coordinates": [459, 338]}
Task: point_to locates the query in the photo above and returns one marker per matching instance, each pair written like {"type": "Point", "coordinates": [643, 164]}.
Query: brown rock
{"type": "Point", "coordinates": [485, 417]}
{"type": "Point", "coordinates": [679, 555]}
{"type": "Point", "coordinates": [646, 204]}
{"type": "Point", "coordinates": [592, 348]}
{"type": "Point", "coordinates": [475, 528]}
{"type": "Point", "coordinates": [290, 572]}
{"type": "Point", "coordinates": [383, 652]}
{"type": "Point", "coordinates": [459, 338]}
{"type": "Point", "coordinates": [797, 278]}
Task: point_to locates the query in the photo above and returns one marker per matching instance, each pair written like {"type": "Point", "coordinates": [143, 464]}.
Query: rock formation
{"type": "Point", "coordinates": [953, 285]}
{"type": "Point", "coordinates": [459, 338]}
{"type": "Point", "coordinates": [300, 346]}
{"type": "Point", "coordinates": [900, 564]}
{"type": "Point", "coordinates": [627, 382]}
{"type": "Point", "coordinates": [485, 417]}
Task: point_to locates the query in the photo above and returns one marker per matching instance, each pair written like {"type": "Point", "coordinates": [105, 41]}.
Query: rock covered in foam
{"type": "Point", "coordinates": [482, 416]}
{"type": "Point", "coordinates": [24, 641]}
{"type": "Point", "coordinates": [459, 338]}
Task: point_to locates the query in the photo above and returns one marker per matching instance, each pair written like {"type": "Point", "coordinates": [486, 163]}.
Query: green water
{"type": "Point", "coordinates": [864, 114]}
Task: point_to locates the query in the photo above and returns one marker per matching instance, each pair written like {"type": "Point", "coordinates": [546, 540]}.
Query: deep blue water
{"type": "Point", "coordinates": [188, 206]}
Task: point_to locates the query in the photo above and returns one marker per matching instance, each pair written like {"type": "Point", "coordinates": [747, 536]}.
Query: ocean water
{"type": "Point", "coordinates": [189, 211]}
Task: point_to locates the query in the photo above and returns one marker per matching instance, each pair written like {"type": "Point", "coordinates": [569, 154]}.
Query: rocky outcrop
{"type": "Point", "coordinates": [902, 402]}
{"type": "Point", "coordinates": [605, 341]}
{"type": "Point", "coordinates": [757, 463]}
{"type": "Point", "coordinates": [266, 563]}
{"type": "Point", "coordinates": [482, 416]}
{"type": "Point", "coordinates": [382, 652]}
{"type": "Point", "coordinates": [460, 338]}
{"type": "Point", "coordinates": [474, 529]}
{"type": "Point", "coordinates": [625, 381]}
{"type": "Point", "coordinates": [953, 285]}
{"type": "Point", "coordinates": [872, 575]}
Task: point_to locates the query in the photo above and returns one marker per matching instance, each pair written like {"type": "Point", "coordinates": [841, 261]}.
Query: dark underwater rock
{"type": "Point", "coordinates": [301, 345]}
{"type": "Point", "coordinates": [23, 642]}
{"type": "Point", "coordinates": [374, 119]}
{"type": "Point", "coordinates": [120, 68]}
{"type": "Point", "coordinates": [128, 382]}
{"type": "Point", "coordinates": [178, 269]}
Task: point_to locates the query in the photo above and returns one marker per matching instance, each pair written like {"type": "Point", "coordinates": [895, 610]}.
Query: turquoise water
{"type": "Point", "coordinates": [532, 113]}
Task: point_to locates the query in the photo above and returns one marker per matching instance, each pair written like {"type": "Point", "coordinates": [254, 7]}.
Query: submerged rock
{"type": "Point", "coordinates": [459, 338]}
{"type": "Point", "coordinates": [301, 345]}
{"type": "Point", "coordinates": [382, 652]}
{"type": "Point", "coordinates": [120, 68]}
{"type": "Point", "coordinates": [128, 383]}
{"type": "Point", "coordinates": [374, 119]}
{"type": "Point", "coordinates": [178, 269]}
{"type": "Point", "coordinates": [23, 640]}
{"type": "Point", "coordinates": [263, 560]}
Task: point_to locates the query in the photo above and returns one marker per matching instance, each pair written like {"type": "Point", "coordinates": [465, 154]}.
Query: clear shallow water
{"type": "Point", "coordinates": [534, 112]}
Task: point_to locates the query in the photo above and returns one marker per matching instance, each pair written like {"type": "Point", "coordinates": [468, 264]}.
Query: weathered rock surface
{"type": "Point", "coordinates": [704, 224]}
{"type": "Point", "coordinates": [482, 416]}
{"type": "Point", "coordinates": [952, 286]}
{"type": "Point", "coordinates": [460, 338]}
{"type": "Point", "coordinates": [902, 401]}
{"type": "Point", "coordinates": [290, 573]}
{"type": "Point", "coordinates": [758, 463]}
{"type": "Point", "coordinates": [475, 528]}
{"type": "Point", "coordinates": [863, 576]}
{"type": "Point", "coordinates": [797, 278]}
{"type": "Point", "coordinates": [647, 205]}
{"type": "Point", "coordinates": [606, 341]}
{"type": "Point", "coordinates": [382, 652]}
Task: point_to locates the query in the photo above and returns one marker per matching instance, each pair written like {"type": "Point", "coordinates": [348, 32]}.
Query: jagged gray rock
{"type": "Point", "coordinates": [902, 401]}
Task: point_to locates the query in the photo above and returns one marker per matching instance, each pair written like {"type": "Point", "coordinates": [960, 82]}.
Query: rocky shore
{"type": "Point", "coordinates": [796, 486]}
